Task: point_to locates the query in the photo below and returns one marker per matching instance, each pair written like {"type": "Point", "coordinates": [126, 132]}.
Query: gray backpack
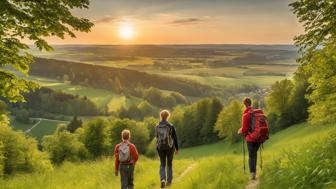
{"type": "Point", "coordinates": [124, 152]}
{"type": "Point", "coordinates": [164, 136]}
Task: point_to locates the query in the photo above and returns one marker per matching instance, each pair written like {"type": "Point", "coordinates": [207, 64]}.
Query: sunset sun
{"type": "Point", "coordinates": [126, 31]}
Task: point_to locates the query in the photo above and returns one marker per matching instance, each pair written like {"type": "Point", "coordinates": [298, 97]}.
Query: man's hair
{"type": "Point", "coordinates": [126, 134]}
{"type": "Point", "coordinates": [247, 101]}
{"type": "Point", "coordinates": [164, 114]}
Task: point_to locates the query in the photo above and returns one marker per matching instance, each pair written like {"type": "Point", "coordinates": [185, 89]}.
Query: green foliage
{"type": "Point", "coordinates": [278, 99]}
{"type": "Point", "coordinates": [45, 100]}
{"type": "Point", "coordinates": [318, 19]}
{"type": "Point", "coordinates": [221, 161]}
{"type": "Point", "coordinates": [214, 173]}
{"type": "Point", "coordinates": [195, 123]}
{"type": "Point", "coordinates": [286, 103]}
{"type": "Point", "coordinates": [146, 109]}
{"type": "Point", "coordinates": [132, 112]}
{"type": "Point", "coordinates": [161, 99]}
{"type": "Point", "coordinates": [138, 112]}
{"type": "Point", "coordinates": [19, 153]}
{"type": "Point", "coordinates": [112, 78]}
{"type": "Point", "coordinates": [151, 149]}
{"type": "Point", "coordinates": [311, 166]}
{"type": "Point", "coordinates": [317, 60]}
{"type": "Point", "coordinates": [64, 146]}
{"type": "Point", "coordinates": [74, 124]}
{"type": "Point", "coordinates": [2, 159]}
{"type": "Point", "coordinates": [229, 121]}
{"type": "Point", "coordinates": [95, 137]}
{"type": "Point", "coordinates": [26, 19]}
{"type": "Point", "coordinates": [22, 116]}
{"type": "Point", "coordinates": [92, 175]}
{"type": "Point", "coordinates": [322, 82]}
{"type": "Point", "coordinates": [139, 133]}
{"type": "Point", "coordinates": [298, 102]}
{"type": "Point", "coordinates": [150, 123]}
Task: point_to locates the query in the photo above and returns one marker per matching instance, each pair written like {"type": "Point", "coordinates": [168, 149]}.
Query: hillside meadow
{"type": "Point", "coordinates": [222, 162]}
{"type": "Point", "coordinates": [100, 97]}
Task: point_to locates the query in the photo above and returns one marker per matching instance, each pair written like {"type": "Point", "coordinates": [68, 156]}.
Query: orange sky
{"type": "Point", "coordinates": [189, 22]}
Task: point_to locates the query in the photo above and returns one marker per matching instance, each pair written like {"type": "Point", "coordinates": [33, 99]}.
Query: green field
{"type": "Point", "coordinates": [213, 166]}
{"type": "Point", "coordinates": [211, 65]}
{"type": "Point", "coordinates": [42, 128]}
{"type": "Point", "coordinates": [20, 126]}
{"type": "Point", "coordinates": [45, 127]}
{"type": "Point", "coordinates": [99, 96]}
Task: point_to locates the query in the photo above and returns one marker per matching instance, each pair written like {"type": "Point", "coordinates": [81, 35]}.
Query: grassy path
{"type": "Point", "coordinates": [252, 184]}
{"type": "Point", "coordinates": [186, 171]}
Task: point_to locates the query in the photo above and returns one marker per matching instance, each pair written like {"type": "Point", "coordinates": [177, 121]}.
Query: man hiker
{"type": "Point", "coordinates": [126, 156]}
{"type": "Point", "coordinates": [255, 130]}
{"type": "Point", "coordinates": [166, 146]}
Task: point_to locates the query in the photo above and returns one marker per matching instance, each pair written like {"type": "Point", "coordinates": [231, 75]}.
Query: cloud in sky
{"type": "Point", "coordinates": [184, 21]}
{"type": "Point", "coordinates": [208, 21]}
{"type": "Point", "coordinates": [107, 19]}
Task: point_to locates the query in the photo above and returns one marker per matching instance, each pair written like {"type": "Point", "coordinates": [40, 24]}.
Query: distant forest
{"type": "Point", "coordinates": [48, 103]}
{"type": "Point", "coordinates": [116, 79]}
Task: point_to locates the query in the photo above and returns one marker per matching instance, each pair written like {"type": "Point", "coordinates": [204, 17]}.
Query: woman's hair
{"type": "Point", "coordinates": [247, 101]}
{"type": "Point", "coordinates": [126, 134]}
{"type": "Point", "coordinates": [164, 115]}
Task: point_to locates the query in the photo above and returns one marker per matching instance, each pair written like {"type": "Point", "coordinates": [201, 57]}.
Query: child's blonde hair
{"type": "Point", "coordinates": [126, 134]}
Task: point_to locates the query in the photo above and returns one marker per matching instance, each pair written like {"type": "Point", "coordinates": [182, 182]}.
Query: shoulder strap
{"type": "Point", "coordinates": [252, 121]}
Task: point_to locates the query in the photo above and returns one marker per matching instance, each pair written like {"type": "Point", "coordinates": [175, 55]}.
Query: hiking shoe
{"type": "Point", "coordinates": [168, 184]}
{"type": "Point", "coordinates": [253, 176]}
{"type": "Point", "coordinates": [163, 183]}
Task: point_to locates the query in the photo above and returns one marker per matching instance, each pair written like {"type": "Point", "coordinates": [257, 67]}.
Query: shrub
{"type": "Point", "coordinates": [19, 153]}
{"type": "Point", "coordinates": [151, 149]}
{"type": "Point", "coordinates": [139, 133]}
{"type": "Point", "coordinates": [229, 121]}
{"type": "Point", "coordinates": [64, 146]}
{"type": "Point", "coordinates": [95, 137]}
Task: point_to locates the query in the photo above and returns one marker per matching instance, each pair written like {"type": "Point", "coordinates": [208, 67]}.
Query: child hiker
{"type": "Point", "coordinates": [126, 156]}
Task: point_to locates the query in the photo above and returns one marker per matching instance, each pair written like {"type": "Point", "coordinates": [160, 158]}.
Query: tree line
{"type": "Point", "coordinates": [48, 103]}
{"type": "Point", "coordinates": [80, 141]}
{"type": "Point", "coordinates": [118, 80]}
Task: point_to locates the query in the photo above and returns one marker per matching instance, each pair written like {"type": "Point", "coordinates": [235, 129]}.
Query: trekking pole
{"type": "Point", "coordinates": [262, 146]}
{"type": "Point", "coordinates": [244, 155]}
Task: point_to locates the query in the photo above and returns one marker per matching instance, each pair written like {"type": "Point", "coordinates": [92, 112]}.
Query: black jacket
{"type": "Point", "coordinates": [174, 136]}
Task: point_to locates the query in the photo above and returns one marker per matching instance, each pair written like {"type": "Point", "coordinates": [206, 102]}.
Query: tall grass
{"type": "Point", "coordinates": [91, 175]}
{"type": "Point", "coordinates": [215, 173]}
{"type": "Point", "coordinates": [310, 166]}
{"type": "Point", "coordinates": [301, 156]}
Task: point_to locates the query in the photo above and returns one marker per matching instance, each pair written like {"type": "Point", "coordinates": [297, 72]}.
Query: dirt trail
{"type": "Point", "coordinates": [181, 176]}
{"type": "Point", "coordinates": [186, 171]}
{"type": "Point", "coordinates": [252, 184]}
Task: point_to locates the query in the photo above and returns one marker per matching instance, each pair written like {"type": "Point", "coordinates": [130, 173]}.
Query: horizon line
{"type": "Point", "coordinates": [172, 44]}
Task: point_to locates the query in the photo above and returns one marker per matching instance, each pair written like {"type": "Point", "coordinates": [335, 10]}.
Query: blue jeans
{"type": "Point", "coordinates": [166, 160]}
{"type": "Point", "coordinates": [253, 148]}
{"type": "Point", "coordinates": [127, 176]}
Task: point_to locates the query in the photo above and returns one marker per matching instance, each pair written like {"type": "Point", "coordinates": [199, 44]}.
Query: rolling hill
{"type": "Point", "coordinates": [222, 162]}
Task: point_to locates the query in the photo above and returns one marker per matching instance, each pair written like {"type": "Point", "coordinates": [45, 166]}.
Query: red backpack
{"type": "Point", "coordinates": [259, 128]}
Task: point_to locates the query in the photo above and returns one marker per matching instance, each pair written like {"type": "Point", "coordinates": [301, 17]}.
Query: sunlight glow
{"type": "Point", "coordinates": [126, 31]}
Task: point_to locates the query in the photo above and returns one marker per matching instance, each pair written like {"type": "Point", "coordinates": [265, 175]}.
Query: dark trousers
{"type": "Point", "coordinates": [126, 176]}
{"type": "Point", "coordinates": [166, 160]}
{"type": "Point", "coordinates": [253, 148]}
